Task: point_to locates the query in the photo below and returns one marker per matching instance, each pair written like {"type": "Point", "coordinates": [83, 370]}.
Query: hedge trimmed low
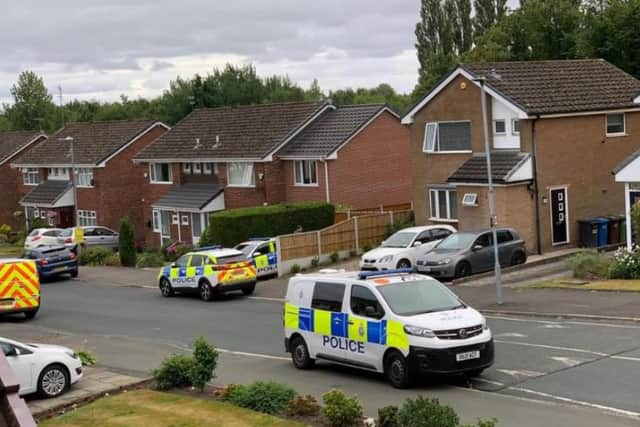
{"type": "Point", "coordinates": [230, 227]}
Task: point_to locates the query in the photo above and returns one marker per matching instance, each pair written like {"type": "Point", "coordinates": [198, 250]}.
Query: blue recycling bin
{"type": "Point", "coordinates": [603, 231]}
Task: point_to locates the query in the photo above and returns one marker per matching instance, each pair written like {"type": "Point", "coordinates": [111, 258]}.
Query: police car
{"type": "Point", "coordinates": [263, 252]}
{"type": "Point", "coordinates": [395, 322]}
{"type": "Point", "coordinates": [209, 272]}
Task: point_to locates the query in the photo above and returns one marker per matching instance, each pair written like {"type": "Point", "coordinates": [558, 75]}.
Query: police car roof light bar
{"type": "Point", "coordinates": [258, 239]}
{"type": "Point", "coordinates": [364, 275]}
{"type": "Point", "coordinates": [210, 248]}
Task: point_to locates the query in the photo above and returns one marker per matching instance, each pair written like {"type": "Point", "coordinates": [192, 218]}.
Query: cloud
{"type": "Point", "coordinates": [138, 44]}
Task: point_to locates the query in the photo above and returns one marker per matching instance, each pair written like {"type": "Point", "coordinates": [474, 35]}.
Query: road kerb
{"type": "Point", "coordinates": [574, 316]}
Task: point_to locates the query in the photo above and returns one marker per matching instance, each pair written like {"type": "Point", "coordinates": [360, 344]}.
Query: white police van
{"type": "Point", "coordinates": [395, 322]}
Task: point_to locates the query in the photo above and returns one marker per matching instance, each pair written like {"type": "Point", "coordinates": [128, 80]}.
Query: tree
{"type": "Point", "coordinates": [127, 244]}
{"type": "Point", "coordinates": [487, 14]}
{"type": "Point", "coordinates": [32, 107]}
{"type": "Point", "coordinates": [314, 93]}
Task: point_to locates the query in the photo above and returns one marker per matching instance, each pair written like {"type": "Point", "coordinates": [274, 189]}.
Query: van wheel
{"type": "Point", "coordinates": [300, 354]}
{"type": "Point", "coordinates": [518, 258]}
{"type": "Point", "coordinates": [165, 288]}
{"type": "Point", "coordinates": [206, 292]}
{"type": "Point", "coordinates": [404, 263]}
{"type": "Point", "coordinates": [30, 314]}
{"type": "Point", "coordinates": [397, 370]}
{"type": "Point", "coordinates": [249, 289]}
{"type": "Point", "coordinates": [463, 269]}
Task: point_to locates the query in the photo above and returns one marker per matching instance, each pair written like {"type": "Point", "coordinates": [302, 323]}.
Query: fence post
{"type": "Point", "coordinates": [357, 233]}
{"type": "Point", "coordinates": [279, 257]}
{"type": "Point", "coordinates": [319, 244]}
{"type": "Point", "coordinates": [349, 214]}
{"type": "Point", "coordinates": [381, 208]}
{"type": "Point", "coordinates": [391, 218]}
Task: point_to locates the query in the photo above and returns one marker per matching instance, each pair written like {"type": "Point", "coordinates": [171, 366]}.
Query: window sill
{"type": "Point", "coordinates": [448, 221]}
{"type": "Point", "coordinates": [161, 182]}
{"type": "Point", "coordinates": [240, 186]}
{"type": "Point", "coordinates": [30, 185]}
{"type": "Point", "coordinates": [449, 152]}
{"type": "Point", "coordinates": [85, 186]}
{"type": "Point", "coordinates": [305, 185]}
{"type": "Point", "coordinates": [616, 135]}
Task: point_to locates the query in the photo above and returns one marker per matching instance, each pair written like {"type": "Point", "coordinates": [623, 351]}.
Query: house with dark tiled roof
{"type": "Point", "coordinates": [107, 182]}
{"type": "Point", "coordinates": [229, 157]}
{"type": "Point", "coordinates": [556, 131]}
{"type": "Point", "coordinates": [12, 145]}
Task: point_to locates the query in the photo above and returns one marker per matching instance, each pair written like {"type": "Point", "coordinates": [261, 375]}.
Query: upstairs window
{"type": "Point", "coordinates": [30, 176]}
{"type": "Point", "coordinates": [59, 174]}
{"type": "Point", "coordinates": [447, 137]}
{"type": "Point", "coordinates": [241, 174]}
{"type": "Point", "coordinates": [305, 172]}
{"type": "Point", "coordinates": [615, 124]}
{"type": "Point", "coordinates": [84, 177]}
{"type": "Point", "coordinates": [499, 127]}
{"type": "Point", "coordinates": [515, 127]}
{"type": "Point", "coordinates": [160, 173]}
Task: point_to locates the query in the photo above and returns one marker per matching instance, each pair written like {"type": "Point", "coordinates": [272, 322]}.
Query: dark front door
{"type": "Point", "coordinates": [559, 211]}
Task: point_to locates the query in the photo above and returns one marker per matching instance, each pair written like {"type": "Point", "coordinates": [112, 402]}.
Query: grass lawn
{"type": "Point", "coordinates": [156, 409]}
{"type": "Point", "coordinates": [10, 251]}
{"type": "Point", "coordinates": [600, 285]}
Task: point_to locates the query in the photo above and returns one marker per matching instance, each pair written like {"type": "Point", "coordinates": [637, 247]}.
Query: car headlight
{"type": "Point", "coordinates": [444, 261]}
{"type": "Point", "coordinates": [72, 354]}
{"type": "Point", "coordinates": [419, 331]}
{"type": "Point", "coordinates": [386, 258]}
{"type": "Point", "coordinates": [485, 327]}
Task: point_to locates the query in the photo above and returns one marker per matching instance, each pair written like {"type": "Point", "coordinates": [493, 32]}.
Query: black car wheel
{"type": "Point", "coordinates": [53, 381]}
{"type": "Point", "coordinates": [463, 269]}
{"type": "Point", "coordinates": [397, 370]}
{"type": "Point", "coordinates": [30, 314]}
{"type": "Point", "coordinates": [74, 274]}
{"type": "Point", "coordinates": [165, 288]}
{"type": "Point", "coordinates": [404, 263]}
{"type": "Point", "coordinates": [518, 258]}
{"type": "Point", "coordinates": [206, 292]}
{"type": "Point", "coordinates": [249, 289]}
{"type": "Point", "coordinates": [300, 354]}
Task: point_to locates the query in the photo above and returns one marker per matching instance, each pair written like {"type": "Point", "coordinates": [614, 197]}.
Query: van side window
{"type": "Point", "coordinates": [328, 296]}
{"type": "Point", "coordinates": [361, 298]}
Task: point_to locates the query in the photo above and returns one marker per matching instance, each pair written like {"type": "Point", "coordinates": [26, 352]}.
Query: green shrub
{"type": "Point", "coordinates": [127, 244]}
{"type": "Point", "coordinates": [205, 359]}
{"type": "Point", "coordinates": [262, 396]}
{"type": "Point", "coordinates": [113, 260]}
{"type": "Point", "coordinates": [482, 423]}
{"type": "Point", "coordinates": [5, 233]}
{"type": "Point", "coordinates": [315, 262]}
{"type": "Point", "coordinates": [399, 225]}
{"type": "Point", "coordinates": [624, 265]}
{"type": "Point", "coordinates": [341, 410]}
{"type": "Point", "coordinates": [37, 223]}
{"type": "Point", "coordinates": [231, 226]}
{"type": "Point", "coordinates": [295, 269]}
{"type": "Point", "coordinates": [175, 250]}
{"type": "Point", "coordinates": [635, 222]}
{"type": "Point", "coordinates": [86, 358]}
{"type": "Point", "coordinates": [387, 417]}
{"type": "Point", "coordinates": [174, 371]}
{"type": "Point", "coordinates": [150, 259]}
{"type": "Point", "coordinates": [367, 247]}
{"type": "Point", "coordinates": [422, 412]}
{"type": "Point", "coordinates": [334, 257]}
{"type": "Point", "coordinates": [589, 265]}
{"type": "Point", "coordinates": [303, 406]}
{"type": "Point", "coordinates": [94, 256]}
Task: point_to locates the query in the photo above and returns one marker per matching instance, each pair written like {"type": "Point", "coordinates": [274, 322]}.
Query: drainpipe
{"type": "Point", "coordinates": [326, 181]}
{"type": "Point", "coordinates": [536, 192]}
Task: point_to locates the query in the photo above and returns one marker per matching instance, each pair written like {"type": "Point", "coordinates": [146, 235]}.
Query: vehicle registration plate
{"type": "Point", "coordinates": [469, 355]}
{"type": "Point", "coordinates": [6, 303]}
{"type": "Point", "coordinates": [425, 269]}
{"type": "Point", "coordinates": [59, 269]}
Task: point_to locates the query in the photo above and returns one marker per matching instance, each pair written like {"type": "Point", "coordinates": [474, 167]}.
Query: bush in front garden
{"type": "Point", "coordinates": [422, 412]}
{"type": "Point", "coordinates": [589, 265]}
{"type": "Point", "coordinates": [127, 244]}
{"type": "Point", "coordinates": [625, 264]}
{"type": "Point", "coordinates": [175, 371]}
{"type": "Point", "coordinates": [303, 406]}
{"type": "Point", "coordinates": [262, 396]}
{"type": "Point", "coordinates": [341, 410]}
{"type": "Point", "coordinates": [175, 250]}
{"type": "Point", "coordinates": [94, 256]}
{"type": "Point", "coordinates": [150, 259]}
{"type": "Point", "coordinates": [387, 417]}
{"type": "Point", "coordinates": [231, 226]}
{"type": "Point", "coordinates": [112, 260]}
{"type": "Point", "coordinates": [205, 359]}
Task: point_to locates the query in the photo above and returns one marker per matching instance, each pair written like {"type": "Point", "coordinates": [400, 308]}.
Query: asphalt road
{"type": "Point", "coordinates": [547, 372]}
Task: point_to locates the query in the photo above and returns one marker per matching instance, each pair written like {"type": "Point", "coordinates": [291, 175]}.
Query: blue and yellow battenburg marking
{"type": "Point", "coordinates": [267, 262]}
{"type": "Point", "coordinates": [227, 275]}
{"type": "Point", "coordinates": [384, 332]}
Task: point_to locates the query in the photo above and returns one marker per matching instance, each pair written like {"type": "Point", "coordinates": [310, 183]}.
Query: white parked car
{"type": "Point", "coordinates": [42, 237]}
{"type": "Point", "coordinates": [401, 249]}
{"type": "Point", "coordinates": [47, 369]}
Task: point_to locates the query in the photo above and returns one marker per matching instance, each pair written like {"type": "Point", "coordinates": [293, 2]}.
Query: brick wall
{"type": "Point", "coordinates": [9, 179]}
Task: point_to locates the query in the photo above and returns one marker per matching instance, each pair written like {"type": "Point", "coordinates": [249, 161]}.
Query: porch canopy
{"type": "Point", "coordinates": [49, 194]}
{"type": "Point", "coordinates": [193, 198]}
{"type": "Point", "coordinates": [628, 172]}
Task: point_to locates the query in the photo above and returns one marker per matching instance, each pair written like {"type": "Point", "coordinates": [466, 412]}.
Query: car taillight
{"type": "Point", "coordinates": [43, 261]}
{"type": "Point", "coordinates": [72, 255]}
{"type": "Point", "coordinates": [34, 239]}
{"type": "Point", "coordinates": [68, 240]}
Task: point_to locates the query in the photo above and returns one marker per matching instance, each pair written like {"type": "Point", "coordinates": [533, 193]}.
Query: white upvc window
{"type": "Point", "coordinates": [157, 221]}
{"type": "Point", "coordinates": [58, 174]}
{"type": "Point", "coordinates": [185, 219]}
{"type": "Point", "coordinates": [515, 127]}
{"type": "Point", "coordinates": [616, 124]}
{"type": "Point", "coordinates": [160, 173]}
{"type": "Point", "coordinates": [175, 219]}
{"type": "Point", "coordinates": [443, 204]}
{"type": "Point", "coordinates": [30, 176]}
{"type": "Point", "coordinates": [452, 137]}
{"type": "Point", "coordinates": [306, 172]}
{"type": "Point", "coordinates": [240, 174]}
{"type": "Point", "coordinates": [197, 168]}
{"type": "Point", "coordinates": [87, 218]}
{"type": "Point", "coordinates": [84, 177]}
{"type": "Point", "coordinates": [207, 168]}
{"type": "Point", "coordinates": [186, 168]}
{"type": "Point", "coordinates": [196, 225]}
{"type": "Point", "coordinates": [500, 127]}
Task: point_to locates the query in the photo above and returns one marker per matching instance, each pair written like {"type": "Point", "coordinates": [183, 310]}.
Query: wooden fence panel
{"type": "Point", "coordinates": [338, 237]}
{"type": "Point", "coordinates": [300, 245]}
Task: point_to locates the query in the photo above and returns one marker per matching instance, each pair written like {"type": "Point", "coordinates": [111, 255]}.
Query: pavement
{"type": "Point", "coordinates": [548, 371]}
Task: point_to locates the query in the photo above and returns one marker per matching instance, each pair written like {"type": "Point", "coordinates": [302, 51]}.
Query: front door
{"type": "Point", "coordinates": [559, 216]}
{"type": "Point", "coordinates": [481, 257]}
{"type": "Point", "coordinates": [366, 346]}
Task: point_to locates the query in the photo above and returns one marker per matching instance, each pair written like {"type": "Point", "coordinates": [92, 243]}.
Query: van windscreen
{"type": "Point", "coordinates": [419, 297]}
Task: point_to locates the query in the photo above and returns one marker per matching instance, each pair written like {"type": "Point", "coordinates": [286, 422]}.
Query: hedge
{"type": "Point", "coordinates": [230, 227]}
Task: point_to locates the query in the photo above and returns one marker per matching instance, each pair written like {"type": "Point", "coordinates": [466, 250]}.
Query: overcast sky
{"type": "Point", "coordinates": [99, 49]}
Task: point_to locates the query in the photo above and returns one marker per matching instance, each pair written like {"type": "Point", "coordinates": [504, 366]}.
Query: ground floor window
{"type": "Point", "coordinates": [443, 204]}
{"type": "Point", "coordinates": [157, 224]}
{"type": "Point", "coordinates": [87, 218]}
{"type": "Point", "coordinates": [196, 225]}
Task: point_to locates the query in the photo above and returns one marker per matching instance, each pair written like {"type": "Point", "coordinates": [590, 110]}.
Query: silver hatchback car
{"type": "Point", "coordinates": [465, 253]}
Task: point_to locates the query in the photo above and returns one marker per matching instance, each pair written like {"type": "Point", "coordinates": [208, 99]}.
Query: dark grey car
{"type": "Point", "coordinates": [465, 253]}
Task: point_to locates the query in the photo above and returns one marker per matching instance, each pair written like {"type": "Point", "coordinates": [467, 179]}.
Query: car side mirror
{"type": "Point", "coordinates": [477, 247]}
{"type": "Point", "coordinates": [417, 244]}
{"type": "Point", "coordinates": [257, 254]}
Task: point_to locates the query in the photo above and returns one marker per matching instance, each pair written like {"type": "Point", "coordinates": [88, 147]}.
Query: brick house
{"type": "Point", "coordinates": [108, 184]}
{"type": "Point", "coordinates": [13, 144]}
{"type": "Point", "coordinates": [230, 157]}
{"type": "Point", "coordinates": [557, 130]}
